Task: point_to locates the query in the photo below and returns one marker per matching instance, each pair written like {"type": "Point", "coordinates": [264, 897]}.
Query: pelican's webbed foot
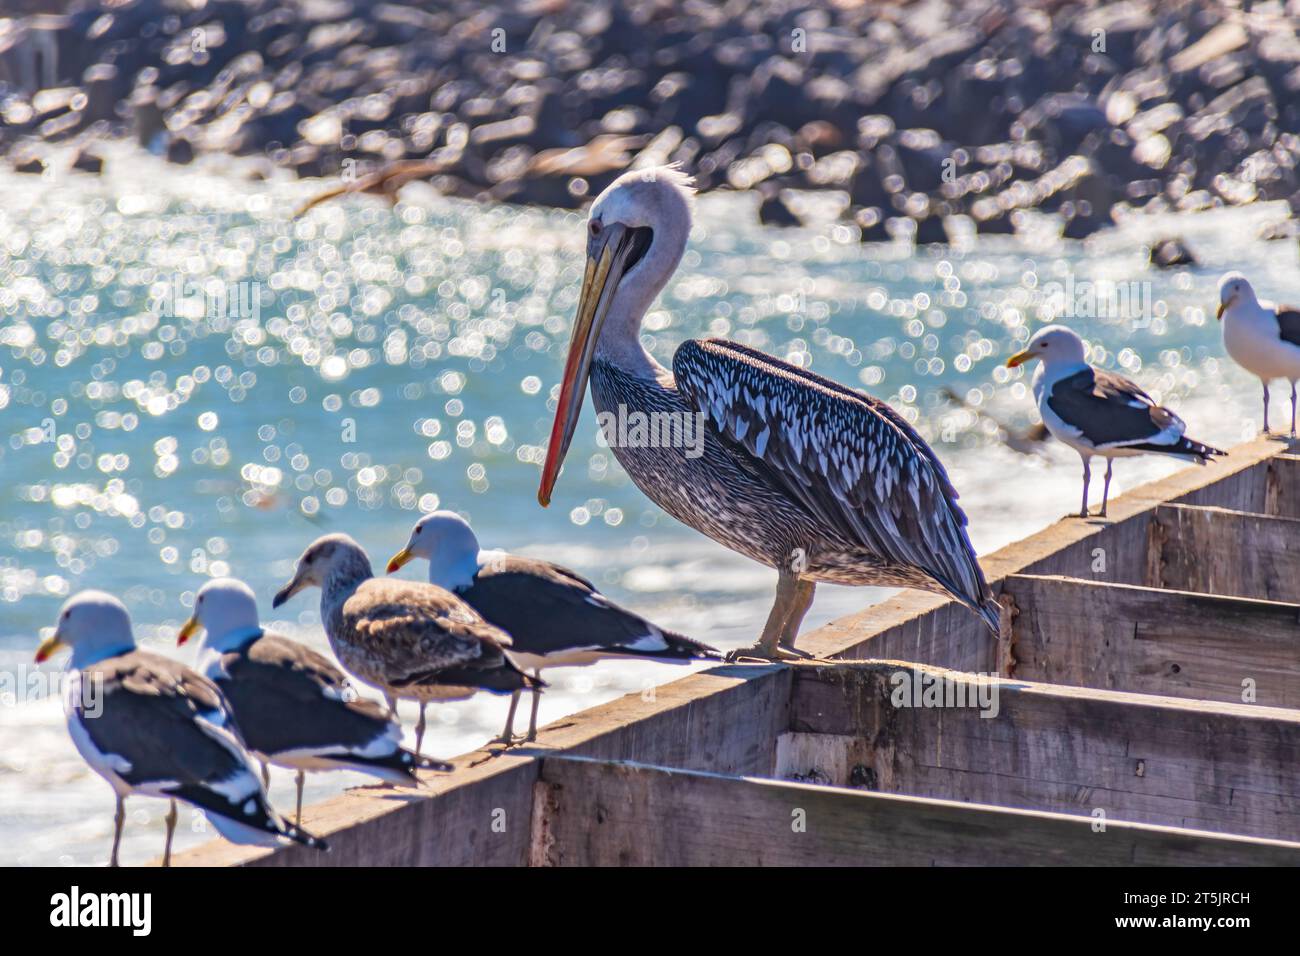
{"type": "Point", "coordinates": [760, 653]}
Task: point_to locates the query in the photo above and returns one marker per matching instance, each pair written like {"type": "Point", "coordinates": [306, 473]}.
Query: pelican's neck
{"type": "Point", "coordinates": [620, 337]}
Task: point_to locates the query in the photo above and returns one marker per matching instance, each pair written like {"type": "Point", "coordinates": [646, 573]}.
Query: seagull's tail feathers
{"type": "Point", "coordinates": [298, 835]}
{"type": "Point", "coordinates": [669, 647]}
{"type": "Point", "coordinates": [397, 767]}
{"type": "Point", "coordinates": [1187, 449]}
{"type": "Point", "coordinates": [505, 678]}
{"type": "Point", "coordinates": [244, 818]}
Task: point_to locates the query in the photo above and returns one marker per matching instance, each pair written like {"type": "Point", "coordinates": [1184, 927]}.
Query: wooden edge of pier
{"type": "Point", "coordinates": [1140, 707]}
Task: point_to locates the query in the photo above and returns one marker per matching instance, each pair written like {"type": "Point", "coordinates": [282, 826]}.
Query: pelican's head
{"type": "Point", "coordinates": [636, 234]}
{"type": "Point", "coordinates": [326, 557]}
{"type": "Point", "coordinates": [447, 542]}
{"type": "Point", "coordinates": [1233, 287]}
{"type": "Point", "coordinates": [1055, 345]}
{"type": "Point", "coordinates": [223, 606]}
{"type": "Point", "coordinates": [94, 624]}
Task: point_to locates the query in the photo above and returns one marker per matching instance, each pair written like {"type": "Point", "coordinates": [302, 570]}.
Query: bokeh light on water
{"type": "Point", "coordinates": [193, 385]}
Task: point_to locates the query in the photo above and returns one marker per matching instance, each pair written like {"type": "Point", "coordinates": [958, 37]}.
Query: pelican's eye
{"type": "Point", "coordinates": [595, 227]}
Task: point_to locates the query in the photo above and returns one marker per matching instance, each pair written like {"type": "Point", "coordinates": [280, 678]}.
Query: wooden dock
{"type": "Point", "coordinates": [1142, 707]}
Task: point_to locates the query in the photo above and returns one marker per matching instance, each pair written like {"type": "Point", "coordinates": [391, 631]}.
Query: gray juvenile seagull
{"type": "Point", "coordinates": [819, 481]}
{"type": "Point", "coordinates": [151, 726]}
{"type": "Point", "coordinates": [555, 617]}
{"type": "Point", "coordinates": [294, 708]}
{"type": "Point", "coordinates": [1261, 337]}
{"type": "Point", "coordinates": [1097, 412]}
{"type": "Point", "coordinates": [411, 641]}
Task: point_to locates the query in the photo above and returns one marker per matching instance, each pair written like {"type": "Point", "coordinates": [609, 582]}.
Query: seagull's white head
{"type": "Point", "coordinates": [1233, 288]}
{"type": "Point", "coordinates": [448, 543]}
{"type": "Point", "coordinates": [223, 607]}
{"type": "Point", "coordinates": [329, 556]}
{"type": "Point", "coordinates": [1055, 345]}
{"type": "Point", "coordinates": [636, 234]}
{"type": "Point", "coordinates": [94, 624]}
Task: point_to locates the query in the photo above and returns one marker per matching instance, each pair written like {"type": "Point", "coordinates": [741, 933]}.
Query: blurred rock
{"type": "Point", "coordinates": [1171, 254]}
{"type": "Point", "coordinates": [981, 109]}
{"type": "Point", "coordinates": [88, 161]}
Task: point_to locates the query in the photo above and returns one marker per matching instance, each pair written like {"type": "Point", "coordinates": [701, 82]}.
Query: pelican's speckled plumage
{"type": "Point", "coordinates": [817, 480]}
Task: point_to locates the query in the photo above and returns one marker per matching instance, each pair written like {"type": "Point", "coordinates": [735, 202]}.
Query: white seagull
{"type": "Point", "coordinates": [1261, 337]}
{"type": "Point", "coordinates": [151, 726]}
{"type": "Point", "coordinates": [1097, 412]}
{"type": "Point", "coordinates": [294, 708]}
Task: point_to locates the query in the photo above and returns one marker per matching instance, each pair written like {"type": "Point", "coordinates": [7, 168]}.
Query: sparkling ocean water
{"type": "Point", "coordinates": [394, 362]}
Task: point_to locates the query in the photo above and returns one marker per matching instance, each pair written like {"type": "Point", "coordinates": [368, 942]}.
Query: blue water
{"type": "Point", "coordinates": [401, 361]}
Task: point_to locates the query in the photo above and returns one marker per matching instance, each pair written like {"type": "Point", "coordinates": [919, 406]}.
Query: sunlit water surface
{"type": "Point", "coordinates": [400, 361]}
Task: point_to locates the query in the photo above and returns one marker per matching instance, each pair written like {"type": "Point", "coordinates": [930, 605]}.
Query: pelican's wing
{"type": "Point", "coordinates": [422, 633]}
{"type": "Point", "coordinates": [1110, 411]}
{"type": "Point", "coordinates": [847, 457]}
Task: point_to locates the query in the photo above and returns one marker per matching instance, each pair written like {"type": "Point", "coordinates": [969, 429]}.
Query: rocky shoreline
{"type": "Point", "coordinates": [918, 112]}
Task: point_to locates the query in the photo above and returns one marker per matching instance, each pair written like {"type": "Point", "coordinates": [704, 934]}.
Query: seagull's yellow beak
{"type": "Point", "coordinates": [47, 648]}
{"type": "Point", "coordinates": [400, 559]}
{"type": "Point", "coordinates": [192, 627]}
{"type": "Point", "coordinates": [1219, 314]}
{"type": "Point", "coordinates": [1020, 358]}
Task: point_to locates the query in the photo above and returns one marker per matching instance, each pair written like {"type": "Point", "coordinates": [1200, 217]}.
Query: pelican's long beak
{"type": "Point", "coordinates": [192, 627]}
{"type": "Point", "coordinates": [1219, 314]}
{"type": "Point", "coordinates": [400, 559]}
{"type": "Point", "coordinates": [47, 648]}
{"type": "Point", "coordinates": [1020, 358]}
{"type": "Point", "coordinates": [606, 266]}
{"type": "Point", "coordinates": [289, 590]}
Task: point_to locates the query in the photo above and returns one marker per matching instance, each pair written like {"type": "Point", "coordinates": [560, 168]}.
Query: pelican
{"type": "Point", "coordinates": [802, 474]}
{"type": "Point", "coordinates": [1097, 412]}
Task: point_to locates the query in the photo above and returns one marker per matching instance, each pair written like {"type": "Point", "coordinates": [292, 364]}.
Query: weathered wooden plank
{"type": "Point", "coordinates": [597, 813]}
{"type": "Point", "coordinates": [1155, 641]}
{"type": "Point", "coordinates": [1162, 760]}
{"type": "Point", "coordinates": [1219, 551]}
{"type": "Point", "coordinates": [728, 723]}
{"type": "Point", "coordinates": [1282, 487]}
{"type": "Point", "coordinates": [726, 720]}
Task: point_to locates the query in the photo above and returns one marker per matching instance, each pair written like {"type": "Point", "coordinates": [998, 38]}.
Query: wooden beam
{"type": "Point", "coordinates": [720, 720]}
{"type": "Point", "coordinates": [1282, 490]}
{"type": "Point", "coordinates": [1161, 760]}
{"type": "Point", "coordinates": [1219, 551]}
{"type": "Point", "coordinates": [726, 719]}
{"type": "Point", "coordinates": [1155, 641]}
{"type": "Point", "coordinates": [597, 813]}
